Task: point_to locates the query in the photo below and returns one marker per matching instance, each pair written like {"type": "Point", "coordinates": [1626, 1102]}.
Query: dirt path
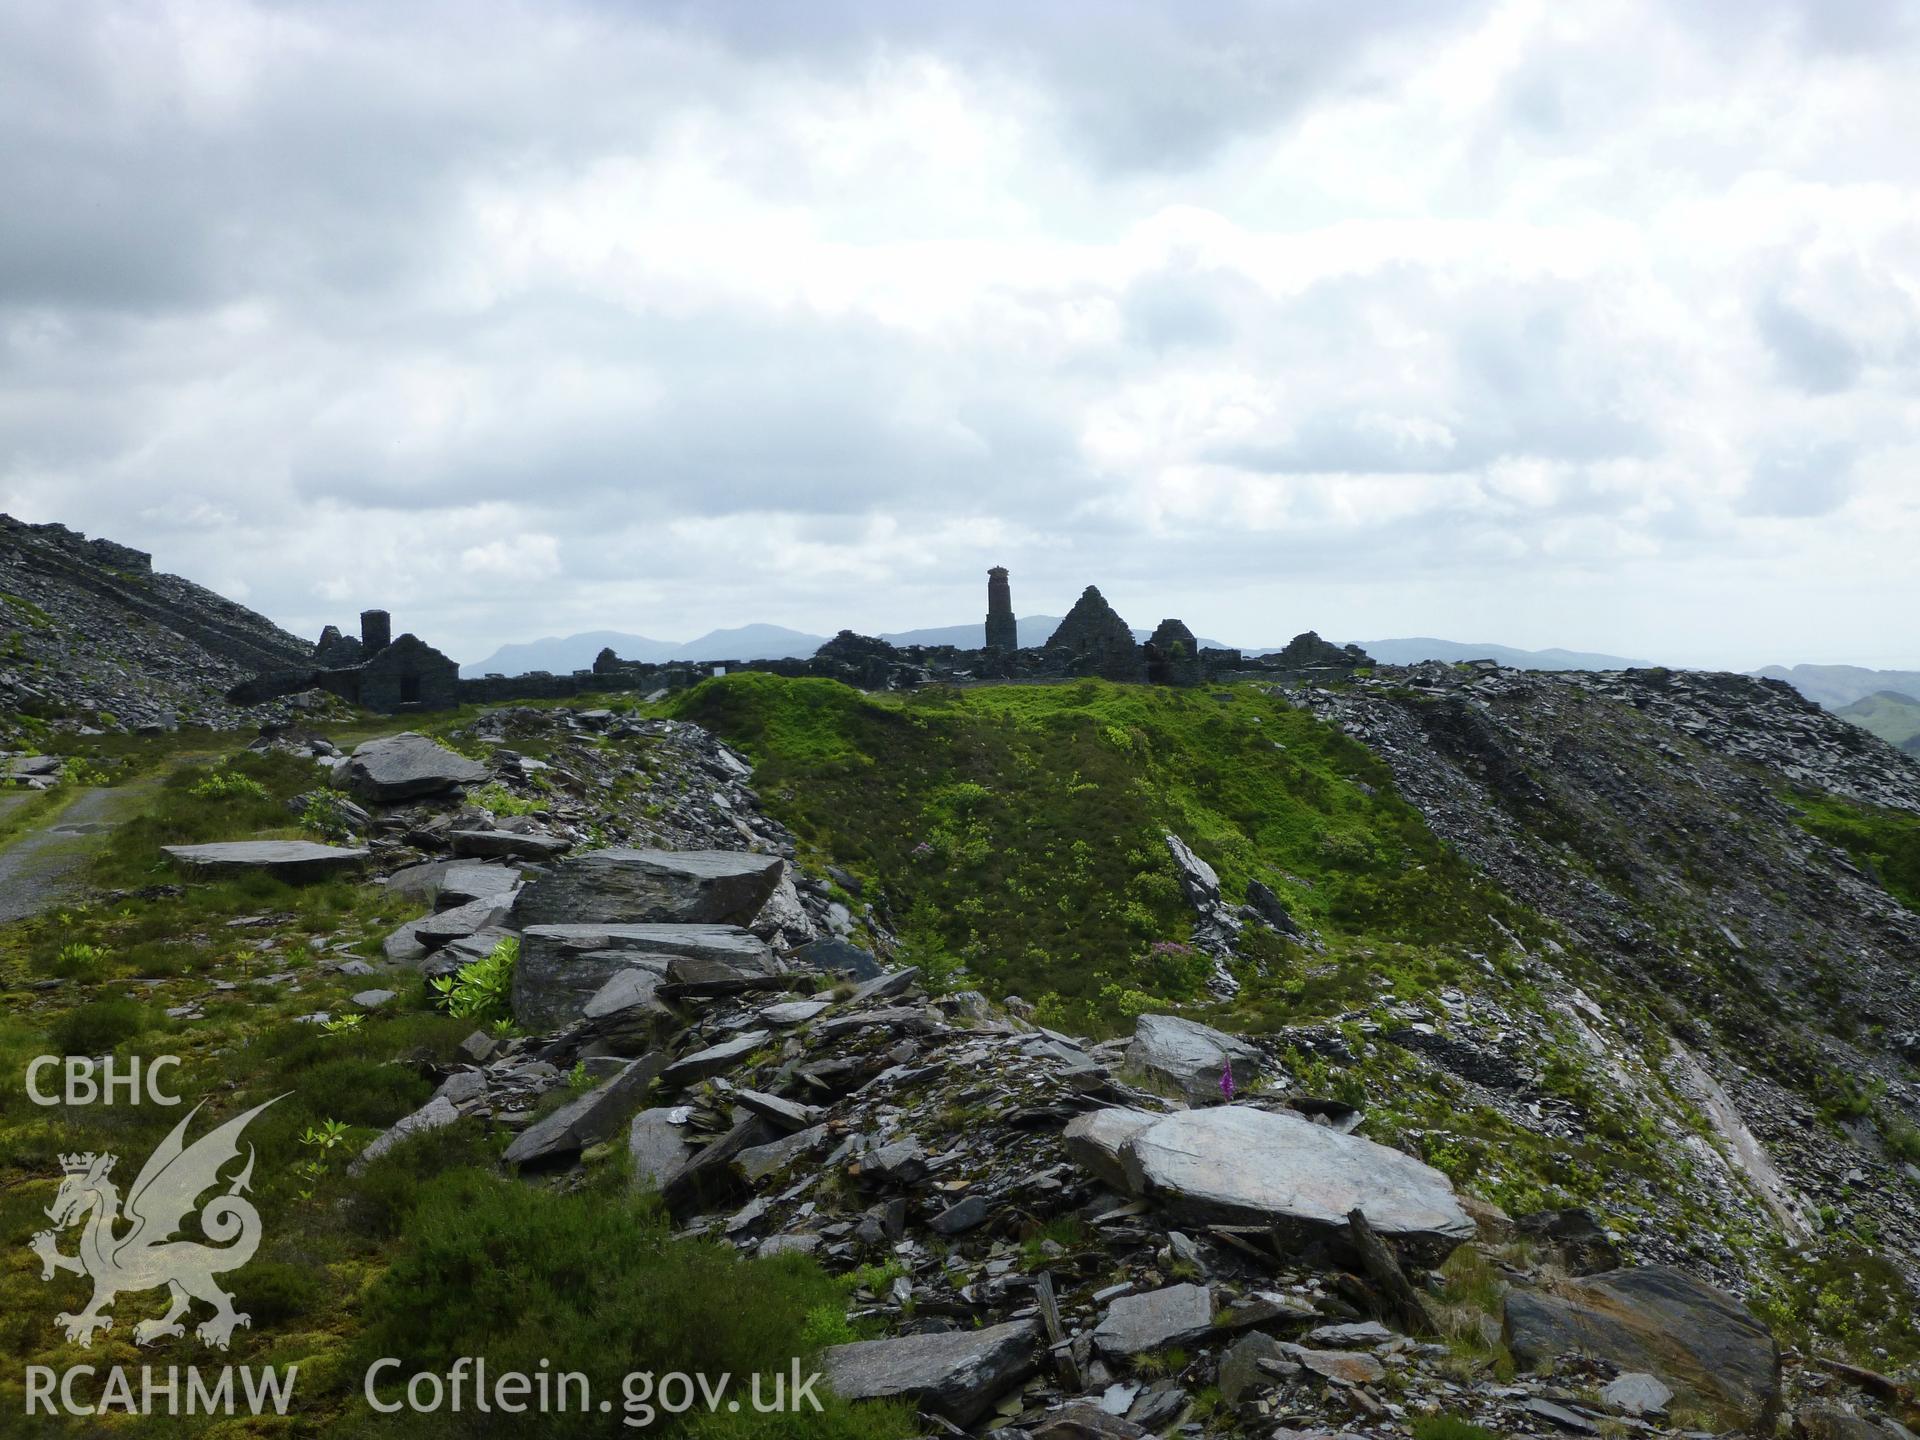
{"type": "Point", "coordinates": [43, 867]}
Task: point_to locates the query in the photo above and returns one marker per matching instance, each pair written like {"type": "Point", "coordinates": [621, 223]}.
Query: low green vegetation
{"type": "Point", "coordinates": [26, 611]}
{"type": "Point", "coordinates": [431, 1253]}
{"type": "Point", "coordinates": [1450, 1427]}
{"type": "Point", "coordinates": [593, 1282]}
{"type": "Point", "coordinates": [482, 991]}
{"type": "Point", "coordinates": [1886, 843]}
{"type": "Point", "coordinates": [1016, 834]}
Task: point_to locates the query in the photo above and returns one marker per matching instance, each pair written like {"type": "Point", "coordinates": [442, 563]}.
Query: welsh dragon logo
{"type": "Point", "coordinates": [144, 1255]}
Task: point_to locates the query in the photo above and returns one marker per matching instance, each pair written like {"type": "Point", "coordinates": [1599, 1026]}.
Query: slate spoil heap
{"type": "Point", "coordinates": [1057, 1249]}
{"type": "Point", "coordinates": [91, 634]}
{"type": "Point", "coordinates": [1052, 1238]}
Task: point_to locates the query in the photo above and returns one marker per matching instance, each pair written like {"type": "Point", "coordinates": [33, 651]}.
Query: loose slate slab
{"type": "Point", "coordinates": [794, 1012]}
{"type": "Point", "coordinates": [592, 1118]}
{"type": "Point", "coordinates": [403, 766]}
{"type": "Point", "coordinates": [1136, 1324]}
{"type": "Point", "coordinates": [1661, 1321]}
{"type": "Point", "coordinates": [633, 989]}
{"type": "Point", "coordinates": [436, 1114]}
{"type": "Point", "coordinates": [289, 859]}
{"type": "Point", "coordinates": [461, 921]}
{"type": "Point", "coordinates": [456, 955]}
{"type": "Point", "coordinates": [682, 887]}
{"type": "Point", "coordinates": [954, 1373]}
{"type": "Point", "coordinates": [657, 1142]}
{"type": "Point", "coordinates": [838, 957]}
{"type": "Point", "coordinates": [562, 967]}
{"type": "Point", "coordinates": [504, 844]}
{"type": "Point", "coordinates": [1236, 1165]}
{"type": "Point", "coordinates": [465, 881]}
{"type": "Point", "coordinates": [761, 1161]}
{"type": "Point", "coordinates": [714, 1060]}
{"type": "Point", "coordinates": [709, 1177]}
{"type": "Point", "coordinates": [1189, 1056]}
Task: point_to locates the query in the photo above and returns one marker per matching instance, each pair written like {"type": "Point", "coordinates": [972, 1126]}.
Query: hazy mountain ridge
{"type": "Point", "coordinates": [564, 654]}
{"type": "Point", "coordinates": [1894, 717]}
{"type": "Point", "coordinates": [1835, 686]}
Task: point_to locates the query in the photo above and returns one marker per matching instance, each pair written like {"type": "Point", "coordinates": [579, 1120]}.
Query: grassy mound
{"type": "Point", "coordinates": [1020, 829]}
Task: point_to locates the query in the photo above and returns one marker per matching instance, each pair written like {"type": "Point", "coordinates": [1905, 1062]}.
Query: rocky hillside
{"type": "Point", "coordinates": [87, 629]}
{"type": "Point", "coordinates": [1440, 1054]}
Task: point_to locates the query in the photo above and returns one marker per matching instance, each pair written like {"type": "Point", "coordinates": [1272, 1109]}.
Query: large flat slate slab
{"type": "Point", "coordinates": [1238, 1165]}
{"type": "Point", "coordinates": [1659, 1321]}
{"type": "Point", "coordinates": [401, 767]}
{"type": "Point", "coordinates": [562, 967]}
{"type": "Point", "coordinates": [289, 859]}
{"type": "Point", "coordinates": [1136, 1324]}
{"type": "Point", "coordinates": [684, 887]}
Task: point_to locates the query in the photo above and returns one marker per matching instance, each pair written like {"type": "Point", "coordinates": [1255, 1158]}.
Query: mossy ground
{"type": "Point", "coordinates": [1885, 843]}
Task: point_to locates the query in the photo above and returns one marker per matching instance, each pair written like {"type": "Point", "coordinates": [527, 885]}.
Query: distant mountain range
{"type": "Point", "coordinates": [561, 655]}
{"type": "Point", "coordinates": [1425, 647]}
{"type": "Point", "coordinates": [1894, 717]}
{"type": "Point", "coordinates": [1835, 686]}
{"type": "Point", "coordinates": [564, 654]}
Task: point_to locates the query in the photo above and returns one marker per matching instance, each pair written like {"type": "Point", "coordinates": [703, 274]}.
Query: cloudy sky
{"type": "Point", "coordinates": [1592, 325]}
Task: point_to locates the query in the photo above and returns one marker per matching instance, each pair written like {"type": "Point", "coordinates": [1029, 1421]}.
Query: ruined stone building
{"type": "Point", "coordinates": [374, 670]}
{"type": "Point", "coordinates": [1173, 655]}
{"type": "Point", "coordinates": [1094, 640]}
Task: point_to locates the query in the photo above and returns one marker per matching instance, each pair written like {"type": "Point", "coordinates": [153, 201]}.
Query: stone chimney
{"type": "Point", "coordinates": [1003, 632]}
{"type": "Point", "coordinates": [376, 632]}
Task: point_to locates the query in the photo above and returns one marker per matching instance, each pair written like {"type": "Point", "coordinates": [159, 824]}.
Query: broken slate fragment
{"type": "Point", "coordinates": [1093, 1141]}
{"type": "Point", "coordinates": [403, 766]}
{"type": "Point", "coordinates": [287, 859]}
{"type": "Point", "coordinates": [1699, 1340]}
{"type": "Point", "coordinates": [793, 1012]}
{"type": "Point", "coordinates": [714, 1060]}
{"type": "Point", "coordinates": [588, 1120]}
{"type": "Point", "coordinates": [954, 1373]}
{"type": "Point", "coordinates": [901, 1163]}
{"type": "Point", "coordinates": [435, 1114]}
{"type": "Point", "coordinates": [658, 1145]}
{"type": "Point", "coordinates": [1136, 1324]}
{"type": "Point", "coordinates": [502, 844]}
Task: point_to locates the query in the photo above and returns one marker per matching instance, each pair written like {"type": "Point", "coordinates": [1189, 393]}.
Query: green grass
{"type": "Point", "coordinates": [26, 610]}
{"type": "Point", "coordinates": [1018, 830]}
{"type": "Point", "coordinates": [1450, 1427]}
{"type": "Point", "coordinates": [594, 1283]}
{"type": "Point", "coordinates": [39, 808]}
{"type": "Point", "coordinates": [1886, 843]}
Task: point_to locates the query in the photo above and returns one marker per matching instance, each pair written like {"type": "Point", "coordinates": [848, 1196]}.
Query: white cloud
{"type": "Point", "coordinates": [519, 320]}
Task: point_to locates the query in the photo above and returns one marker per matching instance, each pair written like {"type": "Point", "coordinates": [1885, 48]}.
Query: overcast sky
{"type": "Point", "coordinates": [1592, 325]}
